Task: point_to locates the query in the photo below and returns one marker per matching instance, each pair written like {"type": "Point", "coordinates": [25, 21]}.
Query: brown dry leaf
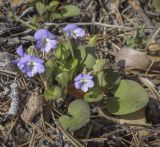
{"type": "Point", "coordinates": [16, 3]}
{"type": "Point", "coordinates": [136, 118]}
{"type": "Point", "coordinates": [33, 107]}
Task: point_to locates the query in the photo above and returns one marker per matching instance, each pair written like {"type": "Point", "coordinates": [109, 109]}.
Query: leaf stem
{"type": "Point", "coordinates": [44, 81]}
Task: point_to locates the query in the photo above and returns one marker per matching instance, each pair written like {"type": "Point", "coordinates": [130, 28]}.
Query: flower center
{"type": "Point", "coordinates": [44, 41]}
{"type": "Point", "coordinates": [84, 81]}
{"type": "Point", "coordinates": [74, 33]}
{"type": "Point", "coordinates": [31, 65]}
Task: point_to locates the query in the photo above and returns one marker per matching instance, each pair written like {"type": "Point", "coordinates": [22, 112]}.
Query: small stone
{"type": "Point", "coordinates": [6, 61]}
{"type": "Point", "coordinates": [128, 57]}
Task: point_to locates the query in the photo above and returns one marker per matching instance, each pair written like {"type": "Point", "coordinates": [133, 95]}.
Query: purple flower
{"type": "Point", "coordinates": [84, 82]}
{"type": "Point", "coordinates": [45, 40]}
{"type": "Point", "coordinates": [20, 52]}
{"type": "Point", "coordinates": [29, 64]}
{"type": "Point", "coordinates": [74, 31]}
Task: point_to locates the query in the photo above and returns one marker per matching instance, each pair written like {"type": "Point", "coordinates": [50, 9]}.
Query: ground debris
{"type": "Point", "coordinates": [116, 23]}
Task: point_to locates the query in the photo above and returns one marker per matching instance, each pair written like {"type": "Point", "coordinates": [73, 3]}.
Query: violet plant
{"type": "Point", "coordinates": [75, 64]}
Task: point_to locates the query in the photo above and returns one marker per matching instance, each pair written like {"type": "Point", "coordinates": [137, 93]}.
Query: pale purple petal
{"type": "Point", "coordinates": [78, 85]}
{"type": "Point", "coordinates": [43, 33]}
{"type": "Point", "coordinates": [84, 88]}
{"type": "Point", "coordinates": [25, 59]}
{"type": "Point", "coordinates": [87, 76]}
{"type": "Point", "coordinates": [38, 60]}
{"type": "Point", "coordinates": [40, 68]}
{"type": "Point", "coordinates": [30, 73]}
{"type": "Point", "coordinates": [70, 27]}
{"type": "Point", "coordinates": [40, 44]}
{"type": "Point", "coordinates": [79, 77]}
{"type": "Point", "coordinates": [51, 44]}
{"type": "Point", "coordinates": [90, 84]}
{"type": "Point", "coordinates": [79, 32]}
{"type": "Point", "coordinates": [20, 51]}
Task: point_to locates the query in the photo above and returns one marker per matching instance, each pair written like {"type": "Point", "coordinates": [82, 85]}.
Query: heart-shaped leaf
{"type": "Point", "coordinates": [52, 93]}
{"type": "Point", "coordinates": [112, 78]}
{"type": "Point", "coordinates": [40, 8]}
{"type": "Point", "coordinates": [70, 11]}
{"type": "Point", "coordinates": [56, 16]}
{"type": "Point", "coordinates": [86, 56]}
{"type": "Point", "coordinates": [92, 42]}
{"type": "Point", "coordinates": [63, 78]}
{"type": "Point", "coordinates": [80, 116]}
{"type": "Point", "coordinates": [99, 66]}
{"type": "Point", "coordinates": [129, 97]}
{"type": "Point", "coordinates": [102, 79]}
{"type": "Point", "coordinates": [69, 65]}
{"type": "Point", "coordinates": [94, 95]}
{"type": "Point", "coordinates": [53, 5]}
{"type": "Point", "coordinates": [66, 12]}
{"type": "Point", "coordinates": [62, 51]}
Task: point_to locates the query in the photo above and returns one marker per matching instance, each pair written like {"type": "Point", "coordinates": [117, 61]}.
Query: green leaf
{"type": "Point", "coordinates": [52, 93]}
{"type": "Point", "coordinates": [92, 42]}
{"type": "Point", "coordinates": [66, 12]}
{"type": "Point", "coordinates": [62, 51]}
{"type": "Point", "coordinates": [53, 5]}
{"type": "Point", "coordinates": [80, 116]}
{"type": "Point", "coordinates": [112, 78]}
{"type": "Point", "coordinates": [56, 16]}
{"type": "Point", "coordinates": [102, 79]}
{"type": "Point", "coordinates": [129, 97]}
{"type": "Point", "coordinates": [63, 78]}
{"type": "Point", "coordinates": [69, 66]}
{"type": "Point", "coordinates": [50, 68]}
{"type": "Point", "coordinates": [86, 56]}
{"type": "Point", "coordinates": [70, 11]}
{"type": "Point", "coordinates": [131, 42]}
{"type": "Point", "coordinates": [100, 65]}
{"type": "Point", "coordinates": [40, 8]}
{"type": "Point", "coordinates": [94, 95]}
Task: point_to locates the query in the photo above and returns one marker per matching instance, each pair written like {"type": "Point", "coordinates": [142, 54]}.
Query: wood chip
{"type": "Point", "coordinates": [33, 107]}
